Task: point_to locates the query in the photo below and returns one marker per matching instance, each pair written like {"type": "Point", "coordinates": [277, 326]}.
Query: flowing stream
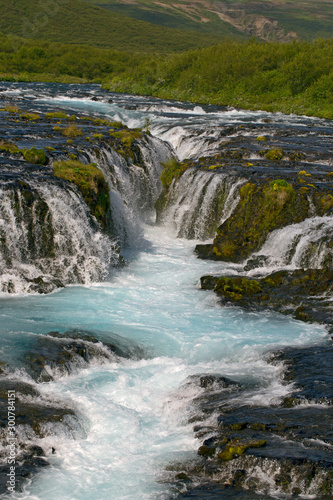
{"type": "Point", "coordinates": [134, 412]}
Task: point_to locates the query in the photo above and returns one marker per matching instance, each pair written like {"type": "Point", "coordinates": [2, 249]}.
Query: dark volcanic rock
{"type": "Point", "coordinates": [35, 417]}
{"type": "Point", "coordinates": [300, 293]}
{"type": "Point", "coordinates": [59, 354]}
{"type": "Point", "coordinates": [283, 447]}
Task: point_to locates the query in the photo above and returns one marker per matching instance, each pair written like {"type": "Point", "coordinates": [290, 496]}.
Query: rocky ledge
{"type": "Point", "coordinates": [305, 294]}
{"type": "Point", "coordinates": [253, 449]}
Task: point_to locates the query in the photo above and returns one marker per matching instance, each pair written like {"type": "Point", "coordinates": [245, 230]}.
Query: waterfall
{"type": "Point", "coordinates": [48, 237]}
{"type": "Point", "coordinates": [199, 202]}
{"type": "Point", "coordinates": [303, 245]}
{"type": "Point", "coordinates": [134, 186]}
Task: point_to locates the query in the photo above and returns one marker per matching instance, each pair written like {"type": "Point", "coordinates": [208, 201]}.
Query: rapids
{"type": "Point", "coordinates": [135, 412]}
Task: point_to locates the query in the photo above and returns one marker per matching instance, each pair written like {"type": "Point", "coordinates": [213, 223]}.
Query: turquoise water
{"type": "Point", "coordinates": [134, 412]}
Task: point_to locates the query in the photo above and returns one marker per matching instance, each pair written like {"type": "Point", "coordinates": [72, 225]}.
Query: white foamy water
{"type": "Point", "coordinates": [135, 412]}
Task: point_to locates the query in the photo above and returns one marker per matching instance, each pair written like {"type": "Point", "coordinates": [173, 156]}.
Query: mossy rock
{"type": "Point", "coordinates": [172, 170]}
{"type": "Point", "coordinates": [274, 154]}
{"type": "Point", "coordinates": [36, 156]}
{"type": "Point", "coordinates": [235, 448]}
{"type": "Point", "coordinates": [262, 208]}
{"type": "Point", "coordinates": [90, 181]}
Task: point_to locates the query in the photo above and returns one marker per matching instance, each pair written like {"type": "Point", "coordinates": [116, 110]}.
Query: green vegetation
{"type": "Point", "coordinates": [295, 77]}
{"type": "Point", "coordinates": [235, 448]}
{"type": "Point", "coordinates": [30, 116]}
{"type": "Point", "coordinates": [278, 20]}
{"type": "Point", "coordinates": [11, 108]}
{"type": "Point", "coordinates": [172, 169]}
{"type": "Point", "coordinates": [262, 208]}
{"type": "Point", "coordinates": [274, 154]}
{"type": "Point", "coordinates": [90, 181]}
{"type": "Point", "coordinates": [36, 156]}
{"type": "Point", "coordinates": [77, 22]}
{"type": "Point", "coordinates": [56, 115]}
{"type": "Point", "coordinates": [32, 155]}
{"type": "Point", "coordinates": [71, 131]}
{"type": "Point", "coordinates": [235, 288]}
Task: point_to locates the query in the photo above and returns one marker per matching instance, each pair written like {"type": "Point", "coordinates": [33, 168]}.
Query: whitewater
{"type": "Point", "coordinates": [135, 413]}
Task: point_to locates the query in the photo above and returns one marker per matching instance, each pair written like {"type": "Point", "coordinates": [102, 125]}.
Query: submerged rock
{"type": "Point", "coordinates": [56, 355]}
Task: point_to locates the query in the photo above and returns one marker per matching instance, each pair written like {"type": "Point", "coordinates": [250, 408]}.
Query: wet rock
{"type": "Point", "coordinates": [282, 447]}
{"type": "Point", "coordinates": [300, 293]}
{"type": "Point", "coordinates": [35, 417]}
{"type": "Point", "coordinates": [56, 354]}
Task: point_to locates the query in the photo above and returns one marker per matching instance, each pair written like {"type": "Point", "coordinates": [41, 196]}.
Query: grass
{"type": "Point", "coordinates": [90, 181]}
{"type": "Point", "coordinates": [308, 19]}
{"type": "Point", "coordinates": [77, 22]}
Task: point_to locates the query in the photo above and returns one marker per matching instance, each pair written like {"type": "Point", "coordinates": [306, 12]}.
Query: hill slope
{"type": "Point", "coordinates": [278, 20]}
{"type": "Point", "coordinates": [75, 21]}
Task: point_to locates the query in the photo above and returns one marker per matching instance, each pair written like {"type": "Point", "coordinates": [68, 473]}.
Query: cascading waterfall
{"type": "Point", "coordinates": [47, 235]}
{"type": "Point", "coordinates": [134, 186]}
{"type": "Point", "coordinates": [122, 362]}
{"type": "Point", "coordinates": [302, 245]}
{"type": "Point", "coordinates": [199, 202]}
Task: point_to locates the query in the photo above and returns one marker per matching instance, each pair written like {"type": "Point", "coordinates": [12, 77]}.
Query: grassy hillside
{"type": "Point", "coordinates": [295, 77]}
{"type": "Point", "coordinates": [277, 20]}
{"type": "Point", "coordinates": [74, 21]}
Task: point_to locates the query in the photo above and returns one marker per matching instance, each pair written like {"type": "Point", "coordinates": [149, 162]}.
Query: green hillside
{"type": "Point", "coordinates": [77, 22]}
{"type": "Point", "coordinates": [274, 20]}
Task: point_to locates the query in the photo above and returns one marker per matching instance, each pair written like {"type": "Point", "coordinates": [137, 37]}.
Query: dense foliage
{"type": "Point", "coordinates": [296, 77]}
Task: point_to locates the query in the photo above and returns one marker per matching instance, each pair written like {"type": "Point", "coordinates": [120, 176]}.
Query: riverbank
{"type": "Point", "coordinates": [295, 77]}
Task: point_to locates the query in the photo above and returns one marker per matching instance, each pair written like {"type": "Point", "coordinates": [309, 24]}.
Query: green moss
{"type": "Point", "coordinates": [97, 136]}
{"type": "Point", "coordinates": [247, 189]}
{"type": "Point", "coordinates": [261, 138]}
{"type": "Point", "coordinates": [127, 138]}
{"type": "Point", "coordinates": [11, 108]}
{"type": "Point", "coordinates": [8, 146]}
{"type": "Point", "coordinates": [261, 209]}
{"type": "Point", "coordinates": [237, 289]}
{"type": "Point", "coordinates": [34, 155]}
{"type": "Point", "coordinates": [49, 148]}
{"type": "Point", "coordinates": [274, 154]}
{"type": "Point", "coordinates": [72, 131]}
{"type": "Point", "coordinates": [172, 169]}
{"type": "Point", "coordinates": [90, 181]}
{"type": "Point", "coordinates": [236, 448]}
{"type": "Point", "coordinates": [56, 115]}
{"type": "Point", "coordinates": [30, 116]}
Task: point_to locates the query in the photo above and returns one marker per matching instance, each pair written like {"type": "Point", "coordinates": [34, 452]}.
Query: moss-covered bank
{"type": "Point", "coordinates": [90, 181]}
{"type": "Point", "coordinates": [305, 294]}
{"type": "Point", "coordinates": [263, 207]}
